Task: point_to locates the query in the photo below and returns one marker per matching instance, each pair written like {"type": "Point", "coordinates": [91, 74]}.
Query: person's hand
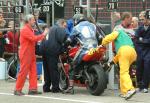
{"type": "Point", "coordinates": [46, 31]}
{"type": "Point", "coordinates": [140, 39]}
{"type": "Point", "coordinates": [100, 46]}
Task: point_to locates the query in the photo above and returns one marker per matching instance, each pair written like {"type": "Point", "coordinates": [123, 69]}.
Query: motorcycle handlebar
{"type": "Point", "coordinates": [80, 41]}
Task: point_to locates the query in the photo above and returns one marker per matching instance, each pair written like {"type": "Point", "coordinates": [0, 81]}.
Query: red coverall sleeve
{"type": "Point", "coordinates": [30, 36]}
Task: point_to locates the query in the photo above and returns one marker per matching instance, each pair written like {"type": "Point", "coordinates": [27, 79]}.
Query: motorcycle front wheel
{"type": "Point", "coordinates": [63, 80]}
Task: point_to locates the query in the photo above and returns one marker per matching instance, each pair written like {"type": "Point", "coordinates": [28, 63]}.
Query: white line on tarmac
{"type": "Point", "coordinates": [45, 97]}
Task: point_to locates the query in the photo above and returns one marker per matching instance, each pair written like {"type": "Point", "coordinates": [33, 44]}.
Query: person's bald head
{"type": "Point", "coordinates": [135, 21]}
{"type": "Point", "coordinates": [61, 23]}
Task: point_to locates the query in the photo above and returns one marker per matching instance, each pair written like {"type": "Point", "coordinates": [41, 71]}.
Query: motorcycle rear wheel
{"type": "Point", "coordinates": [98, 82]}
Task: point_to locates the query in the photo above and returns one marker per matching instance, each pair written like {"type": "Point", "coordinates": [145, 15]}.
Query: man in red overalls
{"type": "Point", "coordinates": [27, 57]}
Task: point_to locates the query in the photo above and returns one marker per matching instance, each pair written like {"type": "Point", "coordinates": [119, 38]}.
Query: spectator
{"type": "Point", "coordinates": [36, 14]}
{"type": "Point", "coordinates": [116, 18]}
{"type": "Point", "coordinates": [57, 35]}
{"type": "Point", "coordinates": [12, 46]}
{"type": "Point", "coordinates": [2, 38]}
{"type": "Point", "coordinates": [134, 23]}
{"type": "Point", "coordinates": [38, 29]}
{"type": "Point", "coordinates": [27, 57]}
{"type": "Point", "coordinates": [126, 55]}
{"type": "Point", "coordinates": [143, 51]}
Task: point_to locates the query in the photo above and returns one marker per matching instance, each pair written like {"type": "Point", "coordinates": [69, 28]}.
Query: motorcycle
{"type": "Point", "coordinates": [89, 72]}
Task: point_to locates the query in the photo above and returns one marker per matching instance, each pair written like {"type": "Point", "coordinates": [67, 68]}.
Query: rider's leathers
{"type": "Point", "coordinates": [86, 33]}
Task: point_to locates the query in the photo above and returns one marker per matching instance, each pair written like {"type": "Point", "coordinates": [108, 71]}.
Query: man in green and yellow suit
{"type": "Point", "coordinates": [126, 55]}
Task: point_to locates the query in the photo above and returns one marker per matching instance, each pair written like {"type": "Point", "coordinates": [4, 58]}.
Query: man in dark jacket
{"type": "Point", "coordinates": [143, 53]}
{"type": "Point", "coordinates": [2, 39]}
{"type": "Point", "coordinates": [53, 46]}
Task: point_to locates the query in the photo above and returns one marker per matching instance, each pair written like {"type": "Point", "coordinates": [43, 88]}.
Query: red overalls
{"type": "Point", "coordinates": [27, 58]}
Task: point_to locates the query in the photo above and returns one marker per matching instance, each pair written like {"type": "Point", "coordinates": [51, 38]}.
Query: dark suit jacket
{"type": "Point", "coordinates": [56, 38]}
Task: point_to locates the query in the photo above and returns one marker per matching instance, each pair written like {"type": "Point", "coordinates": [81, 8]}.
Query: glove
{"type": "Point", "coordinates": [67, 42]}
{"type": "Point", "coordinates": [100, 38]}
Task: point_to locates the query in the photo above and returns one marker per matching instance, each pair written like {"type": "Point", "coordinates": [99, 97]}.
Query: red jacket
{"type": "Point", "coordinates": [12, 46]}
{"type": "Point", "coordinates": [11, 36]}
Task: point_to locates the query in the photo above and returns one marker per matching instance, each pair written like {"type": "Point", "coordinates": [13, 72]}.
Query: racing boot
{"type": "Point", "coordinates": [70, 89]}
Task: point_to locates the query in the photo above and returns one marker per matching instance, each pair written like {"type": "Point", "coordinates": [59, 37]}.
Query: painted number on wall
{"type": "Point", "coordinates": [78, 10]}
{"type": "Point", "coordinates": [112, 5]}
{"type": "Point", "coordinates": [45, 8]}
{"type": "Point", "coordinates": [18, 9]}
{"type": "Point", "coordinates": [148, 14]}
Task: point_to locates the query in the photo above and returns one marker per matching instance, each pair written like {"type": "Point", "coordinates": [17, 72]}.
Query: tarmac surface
{"type": "Point", "coordinates": [81, 96]}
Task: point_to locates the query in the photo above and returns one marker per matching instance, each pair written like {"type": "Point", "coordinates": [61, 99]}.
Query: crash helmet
{"type": "Point", "coordinates": [77, 18]}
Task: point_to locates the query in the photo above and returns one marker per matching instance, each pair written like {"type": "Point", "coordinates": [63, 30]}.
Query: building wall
{"type": "Point", "coordinates": [68, 9]}
{"type": "Point", "coordinates": [134, 6]}
{"type": "Point", "coordinates": [7, 7]}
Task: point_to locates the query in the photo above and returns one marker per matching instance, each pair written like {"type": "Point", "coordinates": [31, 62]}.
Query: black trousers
{"type": "Point", "coordinates": [1, 51]}
{"type": "Point", "coordinates": [51, 73]}
{"type": "Point", "coordinates": [146, 72]}
{"type": "Point", "coordinates": [143, 71]}
{"type": "Point", "coordinates": [47, 79]}
{"type": "Point", "coordinates": [139, 71]}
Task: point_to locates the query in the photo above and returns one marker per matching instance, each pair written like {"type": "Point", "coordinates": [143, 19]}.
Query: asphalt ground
{"type": "Point", "coordinates": [81, 96]}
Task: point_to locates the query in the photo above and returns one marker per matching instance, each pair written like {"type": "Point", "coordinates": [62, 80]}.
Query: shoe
{"type": "Point", "coordinates": [145, 90]}
{"type": "Point", "coordinates": [55, 90]}
{"type": "Point", "coordinates": [70, 90]}
{"type": "Point", "coordinates": [122, 95]}
{"type": "Point", "coordinates": [142, 90]}
{"type": "Point", "coordinates": [138, 89]}
{"type": "Point", "coordinates": [34, 92]}
{"type": "Point", "coordinates": [47, 90]}
{"type": "Point", "coordinates": [129, 94]}
{"type": "Point", "coordinates": [18, 93]}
